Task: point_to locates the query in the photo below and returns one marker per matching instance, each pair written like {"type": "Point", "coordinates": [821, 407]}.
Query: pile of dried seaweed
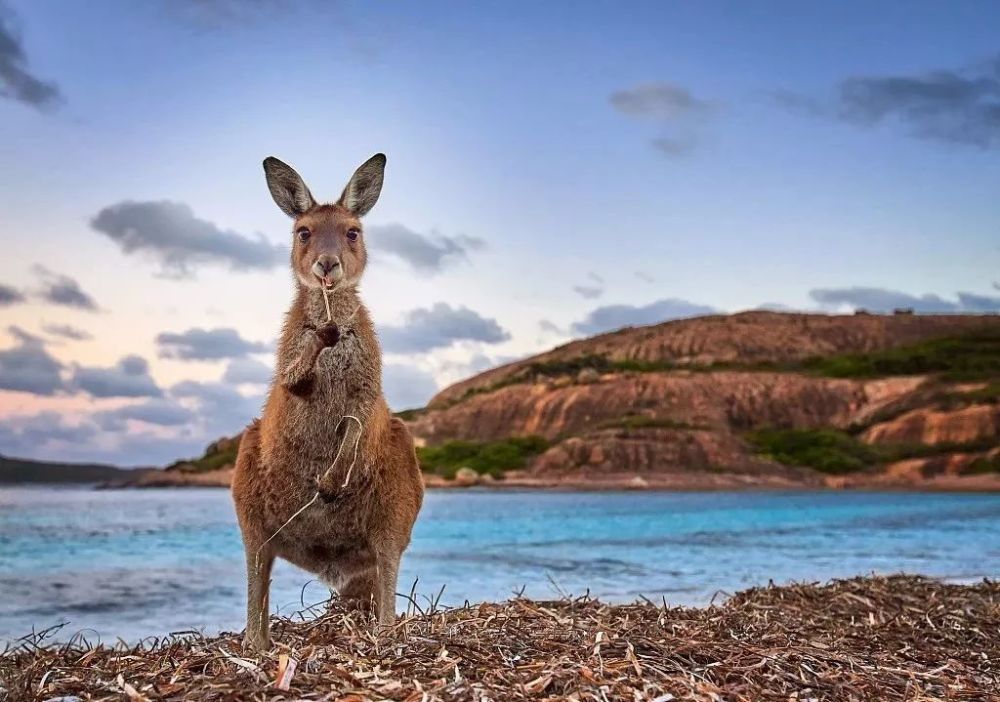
{"type": "Point", "coordinates": [897, 638]}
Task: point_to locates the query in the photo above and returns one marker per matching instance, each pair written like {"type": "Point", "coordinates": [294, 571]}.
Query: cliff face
{"type": "Point", "coordinates": [673, 405]}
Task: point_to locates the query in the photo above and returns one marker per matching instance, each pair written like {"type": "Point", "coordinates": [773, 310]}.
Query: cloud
{"type": "Point", "coordinates": [775, 307]}
{"type": "Point", "coordinates": [588, 292]}
{"type": "Point", "coordinates": [157, 411]}
{"type": "Point", "coordinates": [645, 276]}
{"type": "Point", "coordinates": [407, 387]}
{"type": "Point", "coordinates": [32, 435]}
{"type": "Point", "coordinates": [883, 300]}
{"type": "Point", "coordinates": [10, 296]}
{"type": "Point", "coordinates": [128, 378]}
{"type": "Point", "coordinates": [441, 325]}
{"type": "Point", "coordinates": [472, 364]}
{"type": "Point", "coordinates": [613, 317]}
{"type": "Point", "coordinates": [16, 80]}
{"type": "Point", "coordinates": [957, 106]}
{"type": "Point", "coordinates": [671, 106]}
{"type": "Point", "coordinates": [206, 344]}
{"type": "Point", "coordinates": [425, 254]}
{"type": "Point", "coordinates": [28, 367]}
{"type": "Point", "coordinates": [58, 289]}
{"type": "Point", "coordinates": [658, 100]}
{"type": "Point", "coordinates": [51, 436]}
{"type": "Point", "coordinates": [247, 370]}
{"type": "Point", "coordinates": [221, 408]}
{"type": "Point", "coordinates": [591, 290]}
{"type": "Point", "coordinates": [170, 234]}
{"type": "Point", "coordinates": [67, 331]}
{"type": "Point", "coordinates": [971, 302]}
{"type": "Point", "coordinates": [550, 327]}
{"type": "Point", "coordinates": [674, 147]}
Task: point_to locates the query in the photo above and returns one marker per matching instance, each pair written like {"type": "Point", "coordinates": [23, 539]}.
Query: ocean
{"type": "Point", "coordinates": [109, 564]}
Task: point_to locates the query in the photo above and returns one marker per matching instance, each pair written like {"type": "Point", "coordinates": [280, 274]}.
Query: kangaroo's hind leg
{"type": "Point", "coordinates": [258, 631]}
{"type": "Point", "coordinates": [259, 554]}
{"type": "Point", "coordinates": [387, 574]}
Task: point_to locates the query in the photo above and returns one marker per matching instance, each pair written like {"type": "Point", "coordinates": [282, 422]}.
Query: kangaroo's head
{"type": "Point", "coordinates": [328, 246]}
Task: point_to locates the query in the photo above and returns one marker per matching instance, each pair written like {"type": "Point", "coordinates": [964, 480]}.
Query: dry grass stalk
{"type": "Point", "coordinates": [896, 638]}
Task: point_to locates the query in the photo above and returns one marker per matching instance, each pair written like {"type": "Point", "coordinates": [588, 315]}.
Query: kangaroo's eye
{"type": "Point", "coordinates": [353, 234]}
{"type": "Point", "coordinates": [303, 234]}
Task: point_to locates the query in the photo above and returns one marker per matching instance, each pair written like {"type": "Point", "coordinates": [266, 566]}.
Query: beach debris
{"type": "Point", "coordinates": [876, 638]}
{"type": "Point", "coordinates": [243, 663]}
{"type": "Point", "coordinates": [130, 692]}
{"type": "Point", "coordinates": [286, 671]}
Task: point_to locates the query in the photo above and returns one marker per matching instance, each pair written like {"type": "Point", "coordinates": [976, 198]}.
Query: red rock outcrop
{"type": "Point", "coordinates": [965, 425]}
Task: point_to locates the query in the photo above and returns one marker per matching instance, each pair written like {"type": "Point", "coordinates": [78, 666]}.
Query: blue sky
{"type": "Point", "coordinates": [555, 169]}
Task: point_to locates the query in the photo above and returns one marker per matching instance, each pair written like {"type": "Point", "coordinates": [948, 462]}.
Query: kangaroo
{"type": "Point", "coordinates": [327, 478]}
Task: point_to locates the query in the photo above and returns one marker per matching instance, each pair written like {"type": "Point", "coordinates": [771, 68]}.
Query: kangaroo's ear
{"type": "Point", "coordinates": [287, 188]}
{"type": "Point", "coordinates": [363, 189]}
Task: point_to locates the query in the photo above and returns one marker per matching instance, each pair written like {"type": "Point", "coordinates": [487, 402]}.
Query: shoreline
{"type": "Point", "coordinates": [583, 487]}
{"type": "Point", "coordinates": [666, 482]}
{"type": "Point", "coordinates": [888, 638]}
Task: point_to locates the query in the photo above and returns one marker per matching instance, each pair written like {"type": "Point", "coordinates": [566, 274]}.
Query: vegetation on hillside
{"type": "Point", "coordinates": [489, 458]}
{"type": "Point", "coordinates": [826, 450]}
{"type": "Point", "coordinates": [217, 455]}
{"type": "Point", "coordinates": [985, 464]}
{"type": "Point", "coordinates": [974, 356]}
{"type": "Point", "coordinates": [837, 452]}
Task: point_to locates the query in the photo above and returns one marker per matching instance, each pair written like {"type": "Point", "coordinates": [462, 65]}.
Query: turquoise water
{"type": "Point", "coordinates": [136, 563]}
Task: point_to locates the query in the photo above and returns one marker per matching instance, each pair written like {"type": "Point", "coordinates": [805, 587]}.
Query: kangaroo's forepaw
{"type": "Point", "coordinates": [329, 334]}
{"type": "Point", "coordinates": [328, 495]}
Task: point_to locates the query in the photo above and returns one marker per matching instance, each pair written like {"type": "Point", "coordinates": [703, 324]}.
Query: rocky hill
{"type": "Point", "coordinates": [758, 399]}
{"type": "Point", "coordinates": [754, 399]}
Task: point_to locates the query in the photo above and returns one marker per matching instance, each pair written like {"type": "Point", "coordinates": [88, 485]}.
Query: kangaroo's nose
{"type": "Point", "coordinates": [328, 263]}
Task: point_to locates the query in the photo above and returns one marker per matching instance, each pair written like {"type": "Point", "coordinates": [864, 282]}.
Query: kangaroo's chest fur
{"type": "Point", "coordinates": [331, 427]}
{"type": "Point", "coordinates": [341, 388]}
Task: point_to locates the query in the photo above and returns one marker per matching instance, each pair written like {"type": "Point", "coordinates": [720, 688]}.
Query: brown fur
{"type": "Point", "coordinates": [354, 536]}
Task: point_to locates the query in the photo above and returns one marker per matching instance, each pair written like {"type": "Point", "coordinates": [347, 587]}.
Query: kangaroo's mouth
{"type": "Point", "coordinates": [330, 280]}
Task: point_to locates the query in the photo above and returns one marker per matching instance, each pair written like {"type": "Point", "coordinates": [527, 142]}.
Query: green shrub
{"type": "Point", "coordinates": [989, 394]}
{"type": "Point", "coordinates": [899, 452]}
{"type": "Point", "coordinates": [492, 457]}
{"type": "Point", "coordinates": [984, 465]}
{"type": "Point", "coordinates": [826, 450]}
{"type": "Point", "coordinates": [834, 451]}
{"type": "Point", "coordinates": [208, 462]}
{"type": "Point", "coordinates": [973, 356]}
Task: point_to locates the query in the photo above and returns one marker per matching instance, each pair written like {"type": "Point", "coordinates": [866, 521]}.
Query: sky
{"type": "Point", "coordinates": [555, 170]}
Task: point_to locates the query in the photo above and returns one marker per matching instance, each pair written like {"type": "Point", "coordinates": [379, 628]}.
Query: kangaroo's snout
{"type": "Point", "coordinates": [328, 268]}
